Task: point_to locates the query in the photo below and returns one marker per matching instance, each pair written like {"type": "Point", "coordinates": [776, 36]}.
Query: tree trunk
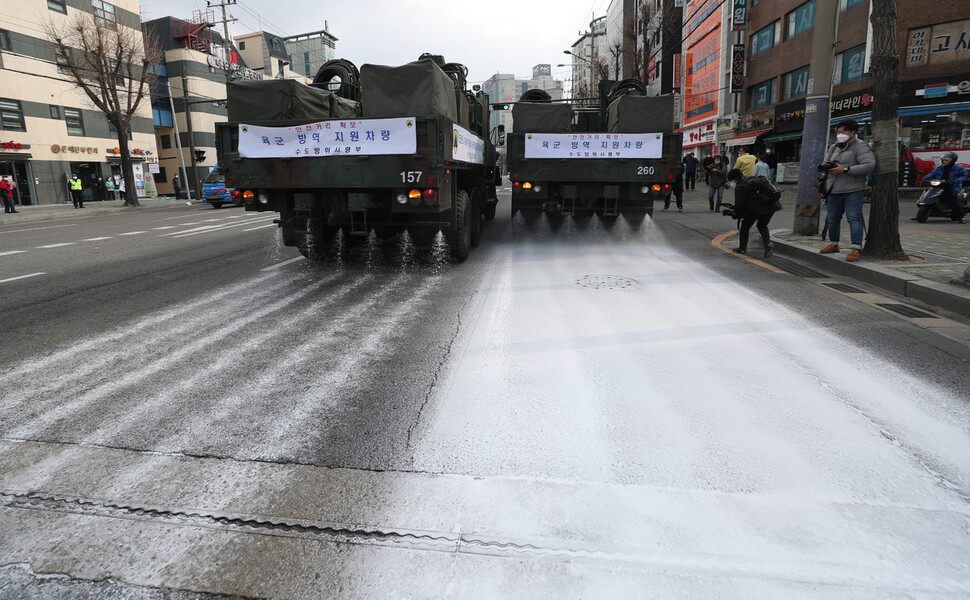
{"type": "Point", "coordinates": [883, 238]}
{"type": "Point", "coordinates": [131, 192]}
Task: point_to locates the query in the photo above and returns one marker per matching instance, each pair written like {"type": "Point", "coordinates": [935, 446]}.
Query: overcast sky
{"type": "Point", "coordinates": [492, 36]}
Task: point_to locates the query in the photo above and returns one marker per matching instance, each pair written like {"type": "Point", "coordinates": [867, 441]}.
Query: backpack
{"type": "Point", "coordinates": [765, 190]}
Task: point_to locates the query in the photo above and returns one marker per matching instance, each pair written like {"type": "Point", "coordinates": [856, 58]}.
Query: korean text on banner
{"type": "Point", "coordinates": [593, 145]}
{"type": "Point", "coordinates": [467, 147]}
{"type": "Point", "coordinates": [353, 137]}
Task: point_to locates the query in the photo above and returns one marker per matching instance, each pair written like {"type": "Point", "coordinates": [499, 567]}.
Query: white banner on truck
{"type": "Point", "coordinates": [593, 145]}
{"type": "Point", "coordinates": [467, 147]}
{"type": "Point", "coordinates": [353, 137]}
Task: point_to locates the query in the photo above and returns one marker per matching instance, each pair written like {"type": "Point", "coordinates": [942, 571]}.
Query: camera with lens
{"type": "Point", "coordinates": [728, 211]}
{"type": "Point", "coordinates": [827, 166]}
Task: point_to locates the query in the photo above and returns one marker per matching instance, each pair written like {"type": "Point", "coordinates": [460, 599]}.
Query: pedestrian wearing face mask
{"type": "Point", "coordinates": [716, 178]}
{"type": "Point", "coordinates": [853, 160]}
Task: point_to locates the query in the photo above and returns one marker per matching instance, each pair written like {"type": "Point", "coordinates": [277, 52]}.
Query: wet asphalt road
{"type": "Point", "coordinates": [184, 358]}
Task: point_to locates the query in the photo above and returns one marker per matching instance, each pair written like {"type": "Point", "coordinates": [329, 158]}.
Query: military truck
{"type": "Point", "coordinates": [381, 150]}
{"type": "Point", "coordinates": [615, 157]}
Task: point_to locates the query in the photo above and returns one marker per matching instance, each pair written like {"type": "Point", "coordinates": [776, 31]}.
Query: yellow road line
{"type": "Point", "coordinates": [718, 242]}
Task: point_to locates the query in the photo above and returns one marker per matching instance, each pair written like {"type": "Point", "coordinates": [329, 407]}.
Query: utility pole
{"type": "Point", "coordinates": [817, 112]}
{"type": "Point", "coordinates": [188, 125]}
{"type": "Point", "coordinates": [226, 42]}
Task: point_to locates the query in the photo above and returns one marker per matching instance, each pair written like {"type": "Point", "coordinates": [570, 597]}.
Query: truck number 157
{"type": "Point", "coordinates": [411, 176]}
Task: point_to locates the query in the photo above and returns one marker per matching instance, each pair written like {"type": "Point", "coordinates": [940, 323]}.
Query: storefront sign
{"type": "Point", "coordinates": [790, 116]}
{"type": "Point", "coordinates": [737, 68]}
{"type": "Point", "coordinates": [758, 120]}
{"type": "Point", "coordinates": [739, 15]}
{"type": "Point", "coordinates": [678, 71]}
{"type": "Point", "coordinates": [938, 44]}
{"type": "Point", "coordinates": [855, 102]}
{"type": "Point", "coordinates": [58, 149]}
{"type": "Point", "coordinates": [239, 71]}
{"type": "Point", "coordinates": [14, 146]}
{"type": "Point", "coordinates": [696, 136]}
{"type": "Point", "coordinates": [154, 168]}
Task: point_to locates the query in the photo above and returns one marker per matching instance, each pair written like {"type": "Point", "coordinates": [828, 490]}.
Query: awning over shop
{"type": "Point", "coordinates": [744, 140]}
{"type": "Point", "coordinates": [782, 137]}
{"type": "Point", "coordinates": [117, 159]}
{"type": "Point", "coordinates": [15, 155]}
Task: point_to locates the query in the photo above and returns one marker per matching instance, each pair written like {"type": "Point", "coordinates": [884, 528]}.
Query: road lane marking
{"type": "Point", "coordinates": [166, 227]}
{"type": "Point", "coordinates": [261, 227]}
{"type": "Point", "coordinates": [9, 252]}
{"type": "Point", "coordinates": [57, 245]}
{"type": "Point", "coordinates": [38, 228]}
{"type": "Point", "coordinates": [718, 242]}
{"type": "Point", "coordinates": [212, 228]}
{"type": "Point", "coordinates": [21, 277]}
{"type": "Point", "coordinates": [97, 239]}
{"type": "Point", "coordinates": [283, 264]}
{"type": "Point", "coordinates": [132, 233]}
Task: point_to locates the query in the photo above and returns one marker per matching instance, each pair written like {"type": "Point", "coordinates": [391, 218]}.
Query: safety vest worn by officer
{"type": "Point", "coordinates": [75, 184]}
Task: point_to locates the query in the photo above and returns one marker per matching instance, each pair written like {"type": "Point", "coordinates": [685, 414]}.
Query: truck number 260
{"type": "Point", "coordinates": [411, 176]}
{"type": "Point", "coordinates": [644, 170]}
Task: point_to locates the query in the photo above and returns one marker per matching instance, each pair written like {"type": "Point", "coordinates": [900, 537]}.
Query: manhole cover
{"type": "Point", "coordinates": [606, 282]}
{"type": "Point", "coordinates": [907, 311]}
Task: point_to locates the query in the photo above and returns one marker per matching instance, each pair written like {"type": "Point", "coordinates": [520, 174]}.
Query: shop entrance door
{"type": "Point", "coordinates": [88, 173]}
{"type": "Point", "coordinates": [23, 191]}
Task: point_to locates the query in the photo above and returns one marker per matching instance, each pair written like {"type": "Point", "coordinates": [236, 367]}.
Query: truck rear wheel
{"type": "Point", "coordinates": [489, 212]}
{"type": "Point", "coordinates": [460, 234]}
{"type": "Point", "coordinates": [217, 205]}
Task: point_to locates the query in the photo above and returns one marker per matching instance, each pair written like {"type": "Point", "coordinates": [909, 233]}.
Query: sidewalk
{"type": "Point", "coordinates": [43, 212]}
{"type": "Point", "coordinates": [939, 249]}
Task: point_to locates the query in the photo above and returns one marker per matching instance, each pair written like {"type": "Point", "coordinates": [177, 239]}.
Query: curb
{"type": "Point", "coordinates": [50, 212]}
{"type": "Point", "coordinates": [948, 297]}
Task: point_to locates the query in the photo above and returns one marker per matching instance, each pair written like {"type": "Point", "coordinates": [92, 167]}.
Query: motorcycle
{"type": "Point", "coordinates": [931, 203]}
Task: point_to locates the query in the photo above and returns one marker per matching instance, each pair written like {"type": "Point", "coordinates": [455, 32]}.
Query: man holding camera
{"type": "Point", "coordinates": [755, 201]}
{"type": "Point", "coordinates": [847, 163]}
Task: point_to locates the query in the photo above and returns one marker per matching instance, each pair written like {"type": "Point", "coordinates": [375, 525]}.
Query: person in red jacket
{"type": "Point", "coordinates": [6, 194]}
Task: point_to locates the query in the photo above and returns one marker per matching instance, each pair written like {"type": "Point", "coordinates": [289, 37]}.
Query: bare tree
{"type": "Point", "coordinates": [111, 64]}
{"type": "Point", "coordinates": [616, 53]}
{"type": "Point", "coordinates": [883, 238]}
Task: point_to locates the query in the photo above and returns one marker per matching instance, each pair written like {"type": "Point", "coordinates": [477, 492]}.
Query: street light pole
{"type": "Point", "coordinates": [592, 75]}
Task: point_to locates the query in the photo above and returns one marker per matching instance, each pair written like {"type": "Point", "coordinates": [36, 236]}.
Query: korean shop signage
{"type": "Point", "coordinates": [737, 68]}
{"type": "Point", "coordinates": [938, 44]}
{"type": "Point", "coordinates": [739, 15]}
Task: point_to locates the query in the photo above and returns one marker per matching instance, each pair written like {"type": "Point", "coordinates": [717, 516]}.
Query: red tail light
{"type": "Point", "coordinates": [236, 194]}
{"type": "Point", "coordinates": [515, 175]}
{"type": "Point", "coordinates": [516, 184]}
{"type": "Point", "coordinates": [670, 175]}
{"type": "Point", "coordinates": [229, 181]}
{"type": "Point", "coordinates": [667, 187]}
{"type": "Point", "coordinates": [429, 194]}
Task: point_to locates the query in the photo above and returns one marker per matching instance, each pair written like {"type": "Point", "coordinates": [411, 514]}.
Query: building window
{"type": "Point", "coordinates": [55, 112]}
{"type": "Point", "coordinates": [11, 115]}
{"type": "Point", "coordinates": [794, 83]}
{"type": "Point", "coordinates": [75, 125]}
{"type": "Point", "coordinates": [242, 45]}
{"type": "Point", "coordinates": [104, 13]}
{"type": "Point", "coordinates": [57, 5]}
{"type": "Point", "coordinates": [4, 40]}
{"type": "Point", "coordinates": [850, 65]}
{"type": "Point", "coordinates": [763, 94]}
{"type": "Point", "coordinates": [306, 57]}
{"type": "Point", "coordinates": [166, 141]}
{"type": "Point", "coordinates": [801, 19]}
{"type": "Point", "coordinates": [847, 4]}
{"type": "Point", "coordinates": [277, 45]}
{"type": "Point", "coordinates": [765, 38]}
{"type": "Point", "coordinates": [62, 64]}
{"type": "Point", "coordinates": [114, 130]}
{"type": "Point", "coordinates": [306, 69]}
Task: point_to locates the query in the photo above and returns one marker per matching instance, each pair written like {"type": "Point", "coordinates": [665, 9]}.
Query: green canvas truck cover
{"type": "Point", "coordinates": [641, 114]}
{"type": "Point", "coordinates": [283, 100]}
{"type": "Point", "coordinates": [417, 89]}
{"type": "Point", "coordinates": [541, 118]}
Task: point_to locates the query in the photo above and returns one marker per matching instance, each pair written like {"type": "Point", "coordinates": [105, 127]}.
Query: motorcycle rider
{"type": "Point", "coordinates": [950, 171]}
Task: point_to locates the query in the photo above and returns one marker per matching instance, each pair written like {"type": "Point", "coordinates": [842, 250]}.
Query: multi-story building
{"type": "Point", "coordinates": [934, 74]}
{"type": "Point", "coordinates": [50, 129]}
{"type": "Point", "coordinates": [590, 59]}
{"type": "Point", "coordinates": [192, 79]}
{"type": "Point", "coordinates": [267, 53]}
{"type": "Point", "coordinates": [308, 51]}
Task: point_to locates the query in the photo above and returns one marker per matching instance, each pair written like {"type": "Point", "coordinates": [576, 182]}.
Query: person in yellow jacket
{"type": "Point", "coordinates": [745, 162]}
{"type": "Point", "coordinates": [76, 197]}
